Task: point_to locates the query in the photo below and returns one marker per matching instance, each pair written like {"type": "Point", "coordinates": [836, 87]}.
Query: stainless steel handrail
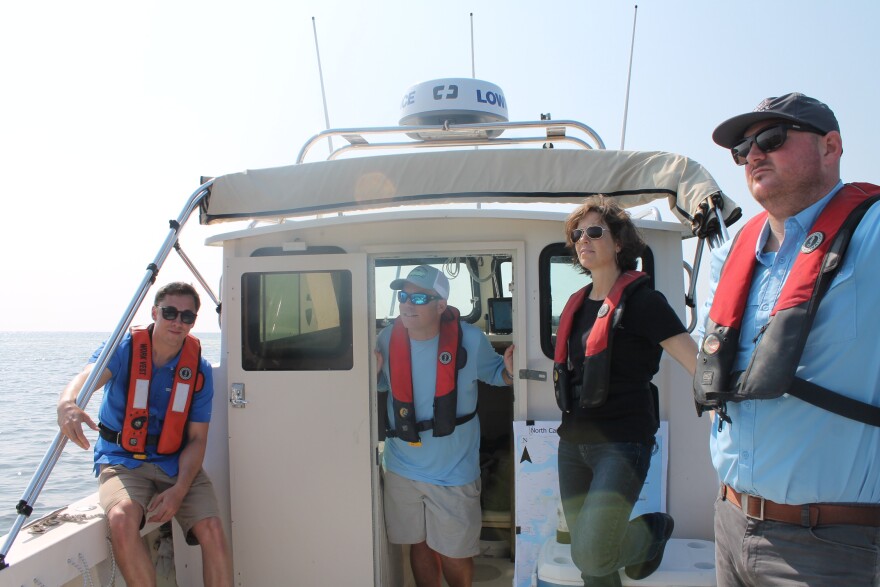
{"type": "Point", "coordinates": [554, 132]}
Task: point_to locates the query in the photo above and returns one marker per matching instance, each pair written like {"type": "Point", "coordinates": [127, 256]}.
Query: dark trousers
{"type": "Point", "coordinates": [756, 553]}
{"type": "Point", "coordinates": [598, 485]}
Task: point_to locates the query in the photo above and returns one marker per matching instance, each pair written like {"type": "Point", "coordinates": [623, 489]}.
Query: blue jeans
{"type": "Point", "coordinates": [598, 485]}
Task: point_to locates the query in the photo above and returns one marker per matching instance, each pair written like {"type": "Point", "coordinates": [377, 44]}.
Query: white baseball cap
{"type": "Point", "coordinates": [426, 277]}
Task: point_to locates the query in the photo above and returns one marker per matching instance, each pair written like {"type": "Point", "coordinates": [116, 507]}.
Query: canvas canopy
{"type": "Point", "coordinates": [516, 176]}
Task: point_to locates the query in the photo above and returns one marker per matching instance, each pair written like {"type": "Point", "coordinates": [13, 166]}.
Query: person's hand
{"type": "Point", "coordinates": [508, 358]}
{"type": "Point", "coordinates": [70, 420]}
{"type": "Point", "coordinates": [165, 505]}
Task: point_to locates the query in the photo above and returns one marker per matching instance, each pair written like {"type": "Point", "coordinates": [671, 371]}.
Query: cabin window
{"type": "Point", "coordinates": [296, 321]}
{"type": "Point", "coordinates": [558, 279]}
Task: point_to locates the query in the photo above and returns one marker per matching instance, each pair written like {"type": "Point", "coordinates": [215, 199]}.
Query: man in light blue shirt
{"type": "Point", "coordinates": [800, 484]}
{"type": "Point", "coordinates": [431, 362]}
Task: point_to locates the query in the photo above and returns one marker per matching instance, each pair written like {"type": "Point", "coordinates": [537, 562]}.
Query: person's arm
{"type": "Point", "coordinates": [165, 505]}
{"type": "Point", "coordinates": [70, 416]}
{"type": "Point", "coordinates": [683, 349]}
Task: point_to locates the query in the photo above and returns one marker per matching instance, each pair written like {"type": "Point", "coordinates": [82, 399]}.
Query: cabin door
{"type": "Point", "coordinates": [299, 420]}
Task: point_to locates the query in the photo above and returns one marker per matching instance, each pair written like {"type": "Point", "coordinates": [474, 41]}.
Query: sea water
{"type": "Point", "coordinates": [34, 368]}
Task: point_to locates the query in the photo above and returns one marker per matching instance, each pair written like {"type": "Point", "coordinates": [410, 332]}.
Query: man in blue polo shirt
{"type": "Point", "coordinates": [431, 457]}
{"type": "Point", "coordinates": [153, 432]}
{"type": "Point", "coordinates": [800, 480]}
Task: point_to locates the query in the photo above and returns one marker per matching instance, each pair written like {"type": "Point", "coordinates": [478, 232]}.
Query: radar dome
{"type": "Point", "coordinates": [453, 100]}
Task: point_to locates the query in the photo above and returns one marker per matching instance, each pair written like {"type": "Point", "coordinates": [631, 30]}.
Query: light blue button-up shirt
{"type": "Point", "coordinates": [784, 449]}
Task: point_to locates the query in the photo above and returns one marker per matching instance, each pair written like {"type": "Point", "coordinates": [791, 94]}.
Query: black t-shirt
{"type": "Point", "coordinates": [628, 414]}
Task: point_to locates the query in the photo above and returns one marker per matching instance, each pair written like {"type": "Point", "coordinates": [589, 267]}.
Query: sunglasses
{"type": "Point", "coordinates": [170, 313]}
{"type": "Point", "coordinates": [593, 232]}
{"type": "Point", "coordinates": [767, 140]}
{"type": "Point", "coordinates": [416, 299]}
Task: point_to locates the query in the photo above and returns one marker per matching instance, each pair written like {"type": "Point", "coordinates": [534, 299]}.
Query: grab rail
{"type": "Point", "coordinates": [453, 135]}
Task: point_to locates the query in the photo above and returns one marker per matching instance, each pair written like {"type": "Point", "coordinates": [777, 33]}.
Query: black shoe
{"type": "Point", "coordinates": [661, 525]}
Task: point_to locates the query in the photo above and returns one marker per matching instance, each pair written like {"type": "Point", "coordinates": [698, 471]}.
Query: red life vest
{"type": "Point", "coordinates": [188, 379]}
{"type": "Point", "coordinates": [593, 390]}
{"type": "Point", "coordinates": [771, 370]}
{"type": "Point", "coordinates": [450, 358]}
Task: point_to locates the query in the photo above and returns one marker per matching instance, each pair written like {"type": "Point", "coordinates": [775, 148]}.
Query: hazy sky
{"type": "Point", "coordinates": [111, 111]}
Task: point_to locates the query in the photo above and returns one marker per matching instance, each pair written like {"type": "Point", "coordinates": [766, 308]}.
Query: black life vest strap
{"type": "Point", "coordinates": [425, 425]}
{"type": "Point", "coordinates": [115, 436]}
{"type": "Point", "coordinates": [834, 402]}
{"type": "Point", "coordinates": [828, 400]}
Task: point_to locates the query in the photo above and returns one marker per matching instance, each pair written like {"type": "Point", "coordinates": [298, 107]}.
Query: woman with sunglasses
{"type": "Point", "coordinates": [608, 347]}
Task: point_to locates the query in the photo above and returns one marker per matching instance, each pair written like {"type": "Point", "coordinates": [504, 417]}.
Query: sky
{"type": "Point", "coordinates": [111, 111]}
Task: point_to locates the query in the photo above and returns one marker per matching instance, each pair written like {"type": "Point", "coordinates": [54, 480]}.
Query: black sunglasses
{"type": "Point", "coordinates": [416, 299]}
{"type": "Point", "coordinates": [768, 140]}
{"type": "Point", "coordinates": [593, 232]}
{"type": "Point", "coordinates": [170, 313]}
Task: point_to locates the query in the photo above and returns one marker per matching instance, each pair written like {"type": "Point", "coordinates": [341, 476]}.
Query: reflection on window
{"type": "Point", "coordinates": [565, 279]}
{"type": "Point", "coordinates": [296, 321]}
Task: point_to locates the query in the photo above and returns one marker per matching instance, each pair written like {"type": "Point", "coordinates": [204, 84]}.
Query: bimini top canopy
{"type": "Point", "coordinates": [515, 176]}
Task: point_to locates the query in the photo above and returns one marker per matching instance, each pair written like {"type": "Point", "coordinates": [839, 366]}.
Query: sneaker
{"type": "Point", "coordinates": [661, 525]}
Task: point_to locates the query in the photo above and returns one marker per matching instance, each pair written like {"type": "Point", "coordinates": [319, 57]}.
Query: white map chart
{"type": "Point", "coordinates": [537, 490]}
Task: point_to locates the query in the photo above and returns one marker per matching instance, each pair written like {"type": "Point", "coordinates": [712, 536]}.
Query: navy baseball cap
{"type": "Point", "coordinates": [793, 107]}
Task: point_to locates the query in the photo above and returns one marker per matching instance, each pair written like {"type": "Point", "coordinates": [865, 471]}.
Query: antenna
{"type": "Point", "coordinates": [629, 77]}
{"type": "Point", "coordinates": [474, 75]}
{"type": "Point", "coordinates": [473, 63]}
{"type": "Point", "coordinates": [323, 94]}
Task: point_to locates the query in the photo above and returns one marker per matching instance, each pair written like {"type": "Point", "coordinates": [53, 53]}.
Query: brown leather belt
{"type": "Point", "coordinates": [807, 515]}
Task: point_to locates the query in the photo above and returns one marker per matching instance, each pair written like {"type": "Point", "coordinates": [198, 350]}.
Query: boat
{"type": "Point", "coordinates": [295, 441]}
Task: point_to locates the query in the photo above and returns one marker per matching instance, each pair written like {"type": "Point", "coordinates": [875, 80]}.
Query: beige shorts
{"type": "Point", "coordinates": [140, 485]}
{"type": "Point", "coordinates": [447, 517]}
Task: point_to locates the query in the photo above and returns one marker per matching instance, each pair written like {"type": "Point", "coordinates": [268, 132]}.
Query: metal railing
{"type": "Point", "coordinates": [454, 135]}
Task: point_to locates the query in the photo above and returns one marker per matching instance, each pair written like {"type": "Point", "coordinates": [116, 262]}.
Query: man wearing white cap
{"type": "Point", "coordinates": [431, 361]}
{"type": "Point", "coordinates": [790, 362]}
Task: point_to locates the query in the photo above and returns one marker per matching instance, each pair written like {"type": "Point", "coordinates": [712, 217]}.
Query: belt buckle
{"type": "Point", "coordinates": [746, 499]}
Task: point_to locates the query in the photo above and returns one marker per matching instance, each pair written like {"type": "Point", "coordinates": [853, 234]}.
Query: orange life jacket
{"type": "Point", "coordinates": [593, 390]}
{"type": "Point", "coordinates": [188, 379]}
{"type": "Point", "coordinates": [772, 367]}
{"type": "Point", "coordinates": [451, 357]}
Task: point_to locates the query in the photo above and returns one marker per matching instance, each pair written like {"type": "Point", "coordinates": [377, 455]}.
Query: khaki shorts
{"type": "Point", "coordinates": [140, 485]}
{"type": "Point", "coordinates": [448, 518]}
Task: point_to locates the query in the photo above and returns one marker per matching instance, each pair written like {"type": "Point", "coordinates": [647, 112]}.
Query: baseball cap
{"type": "Point", "coordinates": [794, 107]}
{"type": "Point", "coordinates": [426, 277]}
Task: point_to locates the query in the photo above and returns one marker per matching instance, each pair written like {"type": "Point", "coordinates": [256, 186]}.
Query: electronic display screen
{"type": "Point", "coordinates": [501, 315]}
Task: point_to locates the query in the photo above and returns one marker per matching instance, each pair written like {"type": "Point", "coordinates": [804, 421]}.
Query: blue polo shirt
{"type": "Point", "coordinates": [453, 459]}
{"type": "Point", "coordinates": [113, 407]}
{"type": "Point", "coordinates": [784, 449]}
